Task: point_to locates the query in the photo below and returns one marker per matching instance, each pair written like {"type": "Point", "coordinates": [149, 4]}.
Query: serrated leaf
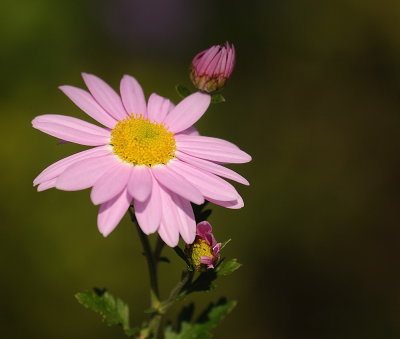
{"type": "Point", "coordinates": [182, 91]}
{"type": "Point", "coordinates": [208, 320]}
{"type": "Point", "coordinates": [228, 267]}
{"type": "Point", "coordinates": [217, 98]}
{"type": "Point", "coordinates": [113, 310]}
{"type": "Point", "coordinates": [186, 314]}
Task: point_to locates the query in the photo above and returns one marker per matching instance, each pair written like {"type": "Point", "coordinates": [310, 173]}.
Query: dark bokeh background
{"type": "Point", "coordinates": [315, 98]}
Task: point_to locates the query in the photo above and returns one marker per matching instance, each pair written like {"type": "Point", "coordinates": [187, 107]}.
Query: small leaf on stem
{"type": "Point", "coordinates": [217, 98]}
{"type": "Point", "coordinates": [208, 320]}
{"type": "Point", "coordinates": [113, 310]}
{"type": "Point", "coordinates": [228, 267]}
{"type": "Point", "coordinates": [182, 91]}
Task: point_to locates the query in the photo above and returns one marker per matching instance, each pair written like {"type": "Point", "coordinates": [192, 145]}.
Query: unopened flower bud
{"type": "Point", "coordinates": [211, 68]}
{"type": "Point", "coordinates": [204, 251]}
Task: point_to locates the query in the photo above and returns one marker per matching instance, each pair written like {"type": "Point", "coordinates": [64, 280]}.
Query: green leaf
{"type": "Point", "coordinates": [228, 267]}
{"type": "Point", "coordinates": [132, 331]}
{"type": "Point", "coordinates": [217, 98]}
{"type": "Point", "coordinates": [150, 310]}
{"type": "Point", "coordinates": [204, 282]}
{"type": "Point", "coordinates": [113, 310]}
{"type": "Point", "coordinates": [208, 320]}
{"type": "Point", "coordinates": [182, 91]}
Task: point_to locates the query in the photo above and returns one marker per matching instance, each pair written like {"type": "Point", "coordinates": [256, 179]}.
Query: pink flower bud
{"type": "Point", "coordinates": [204, 252]}
{"type": "Point", "coordinates": [211, 68]}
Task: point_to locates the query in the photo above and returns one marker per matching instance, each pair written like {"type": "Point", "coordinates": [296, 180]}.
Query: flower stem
{"type": "Point", "coordinates": [159, 308]}
{"type": "Point", "coordinates": [152, 267]}
{"type": "Point", "coordinates": [152, 259]}
{"type": "Point", "coordinates": [186, 278]}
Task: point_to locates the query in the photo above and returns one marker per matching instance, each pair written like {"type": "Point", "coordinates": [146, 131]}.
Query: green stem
{"type": "Point", "coordinates": [187, 277]}
{"type": "Point", "coordinates": [152, 267]}
{"type": "Point", "coordinates": [152, 259]}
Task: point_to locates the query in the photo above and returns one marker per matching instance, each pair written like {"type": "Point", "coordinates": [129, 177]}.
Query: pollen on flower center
{"type": "Point", "coordinates": [138, 141]}
{"type": "Point", "coordinates": [200, 248]}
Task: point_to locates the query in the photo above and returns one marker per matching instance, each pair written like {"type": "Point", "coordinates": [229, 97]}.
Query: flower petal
{"type": "Point", "coordinates": [105, 96]}
{"type": "Point", "coordinates": [187, 112]}
{"type": "Point", "coordinates": [212, 67]}
{"type": "Point", "coordinates": [158, 107]}
{"type": "Point", "coordinates": [71, 129]}
{"type": "Point", "coordinates": [204, 228]}
{"type": "Point", "coordinates": [132, 96]}
{"type": "Point", "coordinates": [84, 173]}
{"type": "Point", "coordinates": [212, 167]}
{"type": "Point", "coordinates": [110, 183]}
{"type": "Point", "coordinates": [194, 140]}
{"type": "Point", "coordinates": [234, 204]}
{"type": "Point", "coordinates": [207, 261]}
{"type": "Point", "coordinates": [112, 211]}
{"type": "Point", "coordinates": [58, 167]}
{"type": "Point", "coordinates": [45, 185]}
{"type": "Point", "coordinates": [169, 234]}
{"type": "Point", "coordinates": [148, 213]}
{"type": "Point", "coordinates": [169, 228]}
{"type": "Point", "coordinates": [140, 183]}
{"type": "Point", "coordinates": [230, 63]}
{"type": "Point", "coordinates": [208, 184]}
{"type": "Point", "coordinates": [86, 103]}
{"type": "Point", "coordinates": [209, 150]}
{"type": "Point", "coordinates": [176, 183]}
{"type": "Point", "coordinates": [185, 217]}
{"type": "Point", "coordinates": [206, 58]}
{"type": "Point", "coordinates": [190, 131]}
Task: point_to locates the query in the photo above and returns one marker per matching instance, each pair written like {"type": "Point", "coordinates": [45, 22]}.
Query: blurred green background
{"type": "Point", "coordinates": [315, 98]}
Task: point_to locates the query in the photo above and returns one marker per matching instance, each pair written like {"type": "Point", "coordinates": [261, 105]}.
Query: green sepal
{"type": "Point", "coordinates": [217, 98]}
{"type": "Point", "coordinates": [182, 91]}
{"type": "Point", "coordinates": [113, 310]}
{"type": "Point", "coordinates": [200, 329]}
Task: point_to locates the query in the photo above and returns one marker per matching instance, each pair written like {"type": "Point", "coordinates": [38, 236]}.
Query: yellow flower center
{"type": "Point", "coordinates": [138, 141]}
{"type": "Point", "coordinates": [199, 249]}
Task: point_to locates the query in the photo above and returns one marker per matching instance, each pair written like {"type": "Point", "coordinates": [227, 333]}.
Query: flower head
{"type": "Point", "coordinates": [211, 68]}
{"type": "Point", "coordinates": [147, 154]}
{"type": "Point", "coordinates": [204, 251]}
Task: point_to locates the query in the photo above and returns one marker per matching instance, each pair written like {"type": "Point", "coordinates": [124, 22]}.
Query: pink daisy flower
{"type": "Point", "coordinates": [211, 68]}
{"type": "Point", "coordinates": [204, 252]}
{"type": "Point", "coordinates": [148, 155]}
